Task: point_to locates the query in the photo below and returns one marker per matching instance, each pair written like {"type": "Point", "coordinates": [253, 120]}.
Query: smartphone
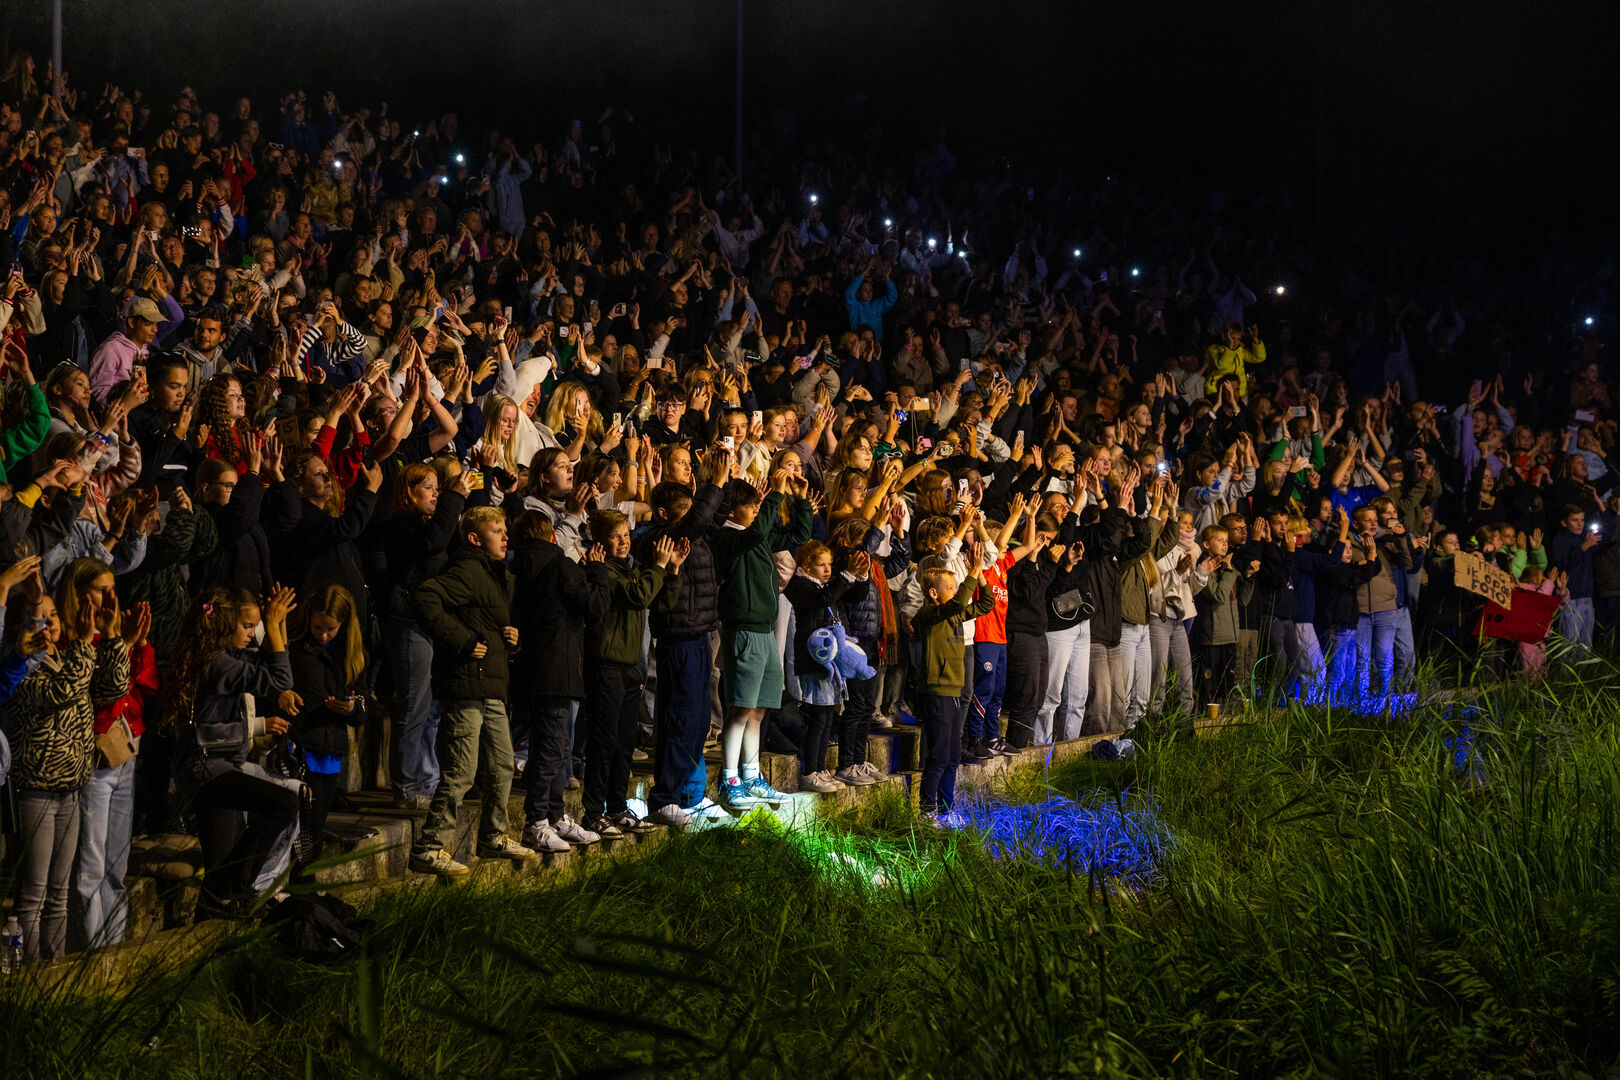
{"type": "Point", "coordinates": [618, 420]}
{"type": "Point", "coordinates": [901, 415]}
{"type": "Point", "coordinates": [136, 152]}
{"type": "Point", "coordinates": [757, 417]}
{"type": "Point", "coordinates": [507, 311]}
{"type": "Point", "coordinates": [1298, 411]}
{"type": "Point", "coordinates": [802, 363]}
{"type": "Point", "coordinates": [924, 445]}
{"type": "Point", "coordinates": [728, 442]}
{"type": "Point", "coordinates": [562, 332]}
{"type": "Point", "coordinates": [655, 363]}
{"type": "Point", "coordinates": [1477, 389]}
{"type": "Point", "coordinates": [1018, 446]}
{"type": "Point", "coordinates": [962, 488]}
{"type": "Point", "coordinates": [1594, 528]}
{"type": "Point", "coordinates": [619, 310]}
{"type": "Point", "coordinates": [1163, 467]}
{"type": "Point", "coordinates": [922, 404]}
{"type": "Point", "coordinates": [368, 456]}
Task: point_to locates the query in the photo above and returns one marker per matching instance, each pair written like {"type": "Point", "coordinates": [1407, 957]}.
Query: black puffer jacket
{"type": "Point", "coordinates": [863, 613]}
{"type": "Point", "coordinates": [553, 599]}
{"type": "Point", "coordinates": [696, 610]}
{"type": "Point", "coordinates": [463, 607]}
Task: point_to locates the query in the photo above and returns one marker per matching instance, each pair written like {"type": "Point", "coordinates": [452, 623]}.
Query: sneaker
{"type": "Point", "coordinates": [639, 755]}
{"type": "Point", "coordinates": [817, 783]}
{"type": "Point", "coordinates": [627, 821]}
{"type": "Point", "coordinates": [503, 848]}
{"type": "Point", "coordinates": [573, 832]}
{"type": "Point", "coordinates": [707, 810]}
{"type": "Point", "coordinates": [761, 789]}
{"type": "Point", "coordinates": [872, 770]}
{"type": "Point", "coordinates": [540, 836]}
{"type": "Point", "coordinates": [968, 757]}
{"type": "Point", "coordinates": [671, 815]}
{"type": "Point", "coordinates": [1000, 747]}
{"type": "Point", "coordinates": [438, 862]}
{"type": "Point", "coordinates": [416, 804]}
{"type": "Point", "coordinates": [827, 777]}
{"type": "Point", "coordinates": [739, 796]}
{"type": "Point", "coordinates": [855, 775]}
{"type": "Point", "coordinates": [881, 722]}
{"type": "Point", "coordinates": [603, 826]}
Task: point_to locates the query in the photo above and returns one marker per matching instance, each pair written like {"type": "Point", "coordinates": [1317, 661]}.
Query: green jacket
{"type": "Point", "coordinates": [616, 637]}
{"type": "Point", "coordinates": [1218, 603]}
{"type": "Point", "coordinates": [467, 604]}
{"type": "Point", "coordinates": [939, 626]}
{"type": "Point", "coordinates": [18, 442]}
{"type": "Point", "coordinates": [744, 564]}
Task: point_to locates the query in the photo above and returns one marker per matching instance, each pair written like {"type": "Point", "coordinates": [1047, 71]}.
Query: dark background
{"type": "Point", "coordinates": [1451, 116]}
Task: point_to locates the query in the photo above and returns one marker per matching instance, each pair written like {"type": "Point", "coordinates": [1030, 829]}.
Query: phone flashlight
{"type": "Point", "coordinates": [1163, 467]}
{"type": "Point", "coordinates": [888, 223]}
{"type": "Point", "coordinates": [1135, 272]}
{"type": "Point", "coordinates": [461, 159]}
{"type": "Point", "coordinates": [1594, 528]}
{"type": "Point", "coordinates": [417, 134]}
{"type": "Point", "coordinates": [932, 243]}
{"type": "Point", "coordinates": [1282, 290]}
{"type": "Point", "coordinates": [1589, 320]}
{"type": "Point", "coordinates": [814, 198]}
{"type": "Point", "coordinates": [1077, 253]}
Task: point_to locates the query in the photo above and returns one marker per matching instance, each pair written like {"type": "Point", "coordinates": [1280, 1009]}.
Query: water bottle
{"type": "Point", "coordinates": [11, 947]}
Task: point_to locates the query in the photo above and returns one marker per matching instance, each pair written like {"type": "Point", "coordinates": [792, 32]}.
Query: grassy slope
{"type": "Point", "coordinates": [1335, 902]}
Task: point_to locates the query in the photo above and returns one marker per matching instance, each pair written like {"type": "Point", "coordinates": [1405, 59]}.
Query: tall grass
{"type": "Point", "coordinates": [1336, 898]}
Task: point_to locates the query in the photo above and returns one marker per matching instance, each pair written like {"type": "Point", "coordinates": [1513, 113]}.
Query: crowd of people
{"type": "Point", "coordinates": [568, 453]}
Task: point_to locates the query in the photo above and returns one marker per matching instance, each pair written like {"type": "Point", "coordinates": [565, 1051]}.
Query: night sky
{"type": "Point", "coordinates": [1428, 108]}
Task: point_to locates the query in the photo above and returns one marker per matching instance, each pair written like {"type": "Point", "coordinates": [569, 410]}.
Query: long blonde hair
{"type": "Point", "coordinates": [494, 406]}
{"type": "Point", "coordinates": [559, 412]}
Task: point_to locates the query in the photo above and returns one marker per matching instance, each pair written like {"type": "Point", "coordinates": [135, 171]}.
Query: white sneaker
{"type": "Point", "coordinates": [853, 775]}
{"type": "Point", "coordinates": [817, 783]}
{"type": "Point", "coordinates": [872, 770]}
{"type": "Point", "coordinates": [707, 810]}
{"type": "Point", "coordinates": [880, 722]}
{"type": "Point", "coordinates": [573, 832]}
{"type": "Point", "coordinates": [540, 836]}
{"type": "Point", "coordinates": [439, 862]}
{"type": "Point", "coordinates": [669, 814]}
{"type": "Point", "coordinates": [827, 777]}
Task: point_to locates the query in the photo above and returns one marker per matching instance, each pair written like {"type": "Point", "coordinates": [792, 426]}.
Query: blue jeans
{"type": "Point", "coordinates": [680, 722]}
{"type": "Point", "coordinates": [1405, 648]}
{"type": "Point", "coordinates": [1575, 620]}
{"type": "Point", "coordinates": [1375, 651]}
{"type": "Point", "coordinates": [989, 687]}
{"type": "Point", "coordinates": [106, 813]}
{"type": "Point", "coordinates": [416, 716]}
{"type": "Point", "coordinates": [1136, 657]}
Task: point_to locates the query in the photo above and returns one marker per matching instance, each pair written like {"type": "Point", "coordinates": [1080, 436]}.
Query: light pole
{"type": "Point", "coordinates": [739, 93]}
{"type": "Point", "coordinates": [56, 47]}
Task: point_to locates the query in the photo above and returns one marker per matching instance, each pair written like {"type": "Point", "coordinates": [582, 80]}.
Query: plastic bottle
{"type": "Point", "coordinates": [11, 947]}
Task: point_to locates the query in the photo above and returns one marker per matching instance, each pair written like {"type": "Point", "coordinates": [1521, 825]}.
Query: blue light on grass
{"type": "Point", "coordinates": [1105, 840]}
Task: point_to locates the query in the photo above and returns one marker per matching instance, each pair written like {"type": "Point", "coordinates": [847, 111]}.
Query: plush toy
{"type": "Point", "coordinates": [835, 652]}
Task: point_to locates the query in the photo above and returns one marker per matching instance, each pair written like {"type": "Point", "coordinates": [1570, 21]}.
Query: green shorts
{"type": "Point", "coordinates": [750, 670]}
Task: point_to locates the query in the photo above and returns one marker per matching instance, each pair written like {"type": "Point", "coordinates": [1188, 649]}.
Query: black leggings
{"type": "Point", "coordinates": [232, 855]}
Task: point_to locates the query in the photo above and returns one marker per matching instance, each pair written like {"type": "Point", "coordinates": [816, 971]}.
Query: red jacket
{"type": "Point", "coordinates": [143, 692]}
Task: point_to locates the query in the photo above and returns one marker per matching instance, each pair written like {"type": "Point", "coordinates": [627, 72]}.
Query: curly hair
{"type": "Point", "coordinates": [209, 629]}
{"type": "Point", "coordinates": [214, 409]}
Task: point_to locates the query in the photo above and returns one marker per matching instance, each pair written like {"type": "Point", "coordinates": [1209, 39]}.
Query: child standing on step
{"type": "Point", "coordinates": [938, 626]}
{"type": "Point", "coordinates": [751, 674]}
{"type": "Point", "coordinates": [815, 592]}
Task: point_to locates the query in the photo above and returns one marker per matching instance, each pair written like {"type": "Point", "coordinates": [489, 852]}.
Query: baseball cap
{"type": "Point", "coordinates": [142, 308]}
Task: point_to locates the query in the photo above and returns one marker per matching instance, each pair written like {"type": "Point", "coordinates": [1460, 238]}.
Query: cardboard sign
{"type": "Point", "coordinates": [1528, 621]}
{"type": "Point", "coordinates": [1481, 577]}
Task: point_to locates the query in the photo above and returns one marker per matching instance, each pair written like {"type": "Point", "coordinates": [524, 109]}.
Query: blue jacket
{"type": "Point", "coordinates": [871, 312]}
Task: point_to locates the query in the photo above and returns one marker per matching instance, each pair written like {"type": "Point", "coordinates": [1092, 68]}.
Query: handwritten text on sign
{"type": "Point", "coordinates": [1481, 577]}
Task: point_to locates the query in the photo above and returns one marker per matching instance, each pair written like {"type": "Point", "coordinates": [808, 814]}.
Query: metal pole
{"type": "Point", "coordinates": [739, 91]}
{"type": "Point", "coordinates": [56, 46]}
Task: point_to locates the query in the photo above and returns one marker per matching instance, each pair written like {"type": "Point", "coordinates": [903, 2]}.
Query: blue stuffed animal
{"type": "Point", "coordinates": [835, 652]}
